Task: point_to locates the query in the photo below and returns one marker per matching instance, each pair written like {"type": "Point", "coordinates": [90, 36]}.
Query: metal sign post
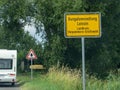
{"type": "Point", "coordinates": [83, 62]}
{"type": "Point", "coordinates": [31, 69]}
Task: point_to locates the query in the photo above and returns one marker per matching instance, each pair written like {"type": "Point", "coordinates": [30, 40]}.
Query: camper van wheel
{"type": "Point", "coordinates": [13, 83]}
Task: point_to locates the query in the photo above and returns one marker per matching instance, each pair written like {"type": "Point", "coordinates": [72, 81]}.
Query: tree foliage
{"type": "Point", "coordinates": [102, 54]}
{"type": "Point", "coordinates": [13, 18]}
{"type": "Point", "coordinates": [51, 14]}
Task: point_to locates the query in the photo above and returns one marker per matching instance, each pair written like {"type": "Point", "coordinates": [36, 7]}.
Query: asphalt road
{"type": "Point", "coordinates": [7, 86]}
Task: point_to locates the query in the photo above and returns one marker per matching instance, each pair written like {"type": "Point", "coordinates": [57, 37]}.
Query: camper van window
{"type": "Point", "coordinates": [5, 63]}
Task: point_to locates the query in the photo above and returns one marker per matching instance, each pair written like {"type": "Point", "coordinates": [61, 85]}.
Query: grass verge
{"type": "Point", "coordinates": [67, 79]}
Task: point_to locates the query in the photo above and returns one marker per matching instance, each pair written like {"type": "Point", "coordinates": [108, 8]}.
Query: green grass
{"type": "Point", "coordinates": [95, 84]}
{"type": "Point", "coordinates": [67, 79]}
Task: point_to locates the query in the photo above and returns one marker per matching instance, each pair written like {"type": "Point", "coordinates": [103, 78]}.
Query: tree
{"type": "Point", "coordinates": [68, 51]}
{"type": "Point", "coordinates": [14, 16]}
{"type": "Point", "coordinates": [51, 15]}
{"type": "Point", "coordinates": [104, 52]}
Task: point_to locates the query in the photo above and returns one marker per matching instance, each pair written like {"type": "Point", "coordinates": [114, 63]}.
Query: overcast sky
{"type": "Point", "coordinates": [31, 29]}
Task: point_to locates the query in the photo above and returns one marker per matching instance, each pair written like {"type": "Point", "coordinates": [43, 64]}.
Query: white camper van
{"type": "Point", "coordinates": [8, 66]}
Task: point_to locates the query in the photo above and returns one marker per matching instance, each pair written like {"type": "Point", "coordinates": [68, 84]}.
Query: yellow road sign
{"type": "Point", "coordinates": [82, 24]}
{"type": "Point", "coordinates": [36, 67]}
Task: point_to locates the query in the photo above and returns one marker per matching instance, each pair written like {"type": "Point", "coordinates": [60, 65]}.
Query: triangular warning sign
{"type": "Point", "coordinates": [31, 55]}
